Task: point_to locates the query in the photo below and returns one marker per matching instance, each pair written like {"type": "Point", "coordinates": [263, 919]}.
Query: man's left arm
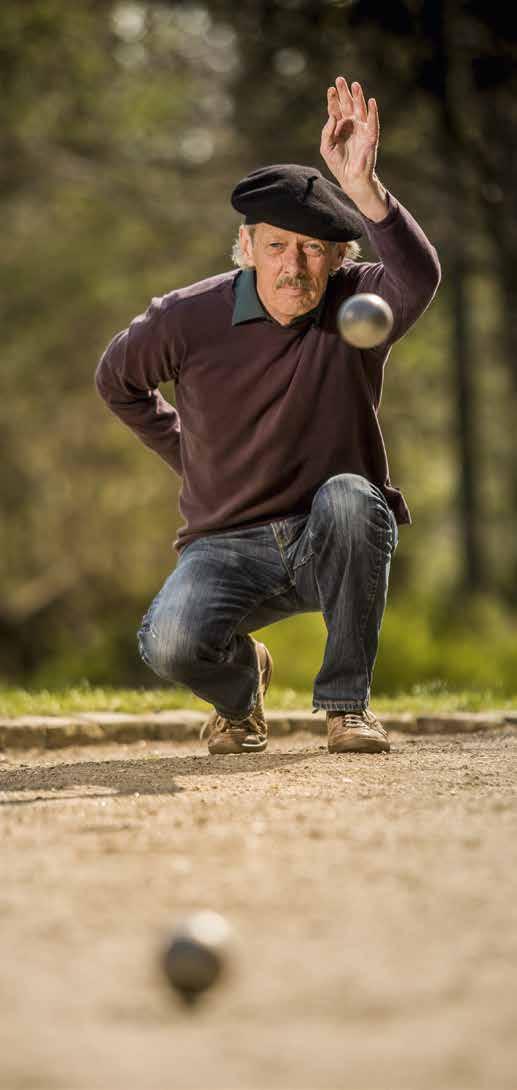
{"type": "Point", "coordinates": [409, 271]}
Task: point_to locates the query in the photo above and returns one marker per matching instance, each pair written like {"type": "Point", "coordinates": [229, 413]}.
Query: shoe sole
{"type": "Point", "coordinates": [358, 745]}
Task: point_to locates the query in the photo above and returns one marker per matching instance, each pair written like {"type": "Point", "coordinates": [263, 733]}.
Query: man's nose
{"type": "Point", "coordinates": [294, 261]}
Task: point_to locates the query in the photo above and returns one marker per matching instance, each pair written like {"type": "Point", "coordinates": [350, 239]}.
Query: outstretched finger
{"type": "Point", "coordinates": [373, 118]}
{"type": "Point", "coordinates": [359, 101]}
{"type": "Point", "coordinates": [346, 100]}
{"type": "Point", "coordinates": [333, 105]}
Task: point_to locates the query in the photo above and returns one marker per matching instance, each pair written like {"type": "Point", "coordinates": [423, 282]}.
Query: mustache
{"type": "Point", "coordinates": [293, 282]}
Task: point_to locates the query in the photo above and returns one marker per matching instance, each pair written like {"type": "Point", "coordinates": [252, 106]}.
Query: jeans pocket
{"type": "Point", "coordinates": [295, 527]}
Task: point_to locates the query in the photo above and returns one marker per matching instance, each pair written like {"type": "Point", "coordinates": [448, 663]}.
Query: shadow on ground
{"type": "Point", "coordinates": [152, 775]}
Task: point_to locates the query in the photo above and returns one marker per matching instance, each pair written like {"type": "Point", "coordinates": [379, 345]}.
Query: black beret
{"type": "Point", "coordinates": [297, 198]}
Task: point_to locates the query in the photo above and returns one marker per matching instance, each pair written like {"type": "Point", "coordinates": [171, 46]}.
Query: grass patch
{"type": "Point", "coordinates": [421, 699]}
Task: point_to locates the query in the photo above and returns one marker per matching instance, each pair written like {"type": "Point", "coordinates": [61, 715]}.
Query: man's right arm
{"type": "Point", "coordinates": [127, 377]}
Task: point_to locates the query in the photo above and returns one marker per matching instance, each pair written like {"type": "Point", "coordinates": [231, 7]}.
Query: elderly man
{"type": "Point", "coordinates": [286, 495]}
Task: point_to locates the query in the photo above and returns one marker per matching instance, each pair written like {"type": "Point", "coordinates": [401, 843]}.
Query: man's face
{"type": "Point", "coordinates": [292, 270]}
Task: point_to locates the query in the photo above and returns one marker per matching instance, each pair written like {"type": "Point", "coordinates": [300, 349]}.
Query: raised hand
{"type": "Point", "coordinates": [350, 137]}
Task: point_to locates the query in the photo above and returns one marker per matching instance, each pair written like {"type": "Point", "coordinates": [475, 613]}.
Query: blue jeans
{"type": "Point", "coordinates": [334, 560]}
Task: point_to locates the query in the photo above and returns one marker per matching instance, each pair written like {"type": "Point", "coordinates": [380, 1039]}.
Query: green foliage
{"type": "Point", "coordinates": [447, 645]}
{"type": "Point", "coordinates": [428, 648]}
{"type": "Point", "coordinates": [424, 647]}
{"type": "Point", "coordinates": [421, 700]}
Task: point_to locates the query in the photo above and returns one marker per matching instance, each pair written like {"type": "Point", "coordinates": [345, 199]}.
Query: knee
{"type": "Point", "coordinates": [165, 647]}
{"type": "Point", "coordinates": [354, 508]}
{"type": "Point", "coordinates": [346, 496]}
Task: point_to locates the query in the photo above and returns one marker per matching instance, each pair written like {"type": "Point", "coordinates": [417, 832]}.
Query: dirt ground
{"type": "Point", "coordinates": [373, 900]}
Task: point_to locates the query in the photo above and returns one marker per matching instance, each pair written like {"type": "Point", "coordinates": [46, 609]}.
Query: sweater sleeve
{"type": "Point", "coordinates": [127, 377]}
{"type": "Point", "coordinates": [409, 271]}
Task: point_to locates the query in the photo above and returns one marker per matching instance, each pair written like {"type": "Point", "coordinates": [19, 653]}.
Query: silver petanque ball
{"type": "Point", "coordinates": [197, 954]}
{"type": "Point", "coordinates": [365, 320]}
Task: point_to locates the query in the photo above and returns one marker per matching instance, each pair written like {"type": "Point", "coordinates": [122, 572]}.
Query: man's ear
{"type": "Point", "coordinates": [246, 245]}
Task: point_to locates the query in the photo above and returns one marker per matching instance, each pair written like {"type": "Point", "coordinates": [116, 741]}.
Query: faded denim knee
{"type": "Point", "coordinates": [354, 508]}
{"type": "Point", "coordinates": [164, 647]}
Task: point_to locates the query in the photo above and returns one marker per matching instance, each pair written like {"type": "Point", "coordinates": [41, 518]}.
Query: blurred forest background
{"type": "Point", "coordinates": [124, 128]}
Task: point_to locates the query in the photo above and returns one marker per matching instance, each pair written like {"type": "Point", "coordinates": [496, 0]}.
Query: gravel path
{"type": "Point", "coordinates": [373, 900]}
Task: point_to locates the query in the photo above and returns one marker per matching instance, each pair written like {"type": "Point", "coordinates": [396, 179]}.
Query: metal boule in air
{"type": "Point", "coordinates": [365, 320]}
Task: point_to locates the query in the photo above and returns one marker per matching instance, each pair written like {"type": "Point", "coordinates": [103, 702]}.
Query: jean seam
{"type": "Point", "coordinates": [325, 703]}
{"type": "Point", "coordinates": [394, 532]}
{"type": "Point", "coordinates": [282, 558]}
{"type": "Point", "coordinates": [364, 622]}
{"type": "Point", "coordinates": [332, 703]}
{"type": "Point", "coordinates": [304, 561]}
{"type": "Point", "coordinates": [362, 629]}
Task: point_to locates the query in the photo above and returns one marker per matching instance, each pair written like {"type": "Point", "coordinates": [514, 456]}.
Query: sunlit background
{"type": "Point", "coordinates": [124, 128]}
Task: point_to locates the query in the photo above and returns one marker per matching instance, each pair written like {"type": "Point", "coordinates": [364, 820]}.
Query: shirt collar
{"type": "Point", "coordinates": [248, 306]}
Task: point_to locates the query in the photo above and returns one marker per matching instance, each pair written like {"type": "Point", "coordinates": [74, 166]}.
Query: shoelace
{"type": "Point", "coordinates": [352, 720]}
{"type": "Point", "coordinates": [226, 726]}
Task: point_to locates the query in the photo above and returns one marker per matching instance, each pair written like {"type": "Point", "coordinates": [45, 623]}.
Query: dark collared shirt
{"type": "Point", "coordinates": [265, 412]}
{"type": "Point", "coordinates": [248, 306]}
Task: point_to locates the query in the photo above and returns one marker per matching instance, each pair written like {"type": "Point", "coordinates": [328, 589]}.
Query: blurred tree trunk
{"type": "Point", "coordinates": [449, 81]}
{"type": "Point", "coordinates": [508, 292]}
{"type": "Point", "coordinates": [498, 150]}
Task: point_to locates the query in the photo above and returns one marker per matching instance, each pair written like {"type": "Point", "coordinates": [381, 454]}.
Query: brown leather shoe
{"type": "Point", "coordinates": [356, 732]}
{"type": "Point", "coordinates": [248, 735]}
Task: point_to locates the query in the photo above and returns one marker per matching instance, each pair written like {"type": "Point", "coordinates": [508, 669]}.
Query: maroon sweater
{"type": "Point", "coordinates": [265, 412]}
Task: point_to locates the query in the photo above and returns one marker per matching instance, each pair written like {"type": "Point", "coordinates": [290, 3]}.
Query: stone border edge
{"type": "Point", "coordinates": [56, 732]}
